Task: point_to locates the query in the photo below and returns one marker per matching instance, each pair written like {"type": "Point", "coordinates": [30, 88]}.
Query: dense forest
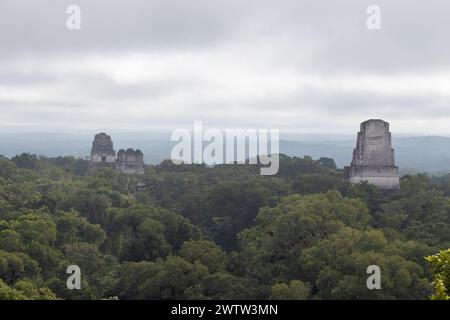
{"type": "Point", "coordinates": [223, 232]}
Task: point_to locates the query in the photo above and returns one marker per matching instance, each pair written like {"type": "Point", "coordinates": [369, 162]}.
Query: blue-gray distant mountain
{"type": "Point", "coordinates": [412, 154]}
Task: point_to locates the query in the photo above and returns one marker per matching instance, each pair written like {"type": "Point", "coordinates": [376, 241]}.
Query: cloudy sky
{"type": "Point", "coordinates": [297, 65]}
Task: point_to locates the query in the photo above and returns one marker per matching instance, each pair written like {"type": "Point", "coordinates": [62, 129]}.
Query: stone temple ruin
{"type": "Point", "coordinates": [373, 157]}
{"type": "Point", "coordinates": [103, 155]}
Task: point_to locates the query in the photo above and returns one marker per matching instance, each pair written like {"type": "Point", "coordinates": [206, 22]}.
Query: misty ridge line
{"type": "Point", "coordinates": [413, 154]}
{"type": "Point", "coordinates": [239, 146]}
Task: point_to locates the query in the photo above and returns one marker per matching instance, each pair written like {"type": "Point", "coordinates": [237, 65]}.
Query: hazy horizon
{"type": "Point", "coordinates": [165, 134]}
{"type": "Point", "coordinates": [412, 153]}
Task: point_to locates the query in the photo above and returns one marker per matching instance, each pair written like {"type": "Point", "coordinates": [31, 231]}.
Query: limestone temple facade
{"type": "Point", "coordinates": [373, 158]}
{"type": "Point", "coordinates": [103, 155]}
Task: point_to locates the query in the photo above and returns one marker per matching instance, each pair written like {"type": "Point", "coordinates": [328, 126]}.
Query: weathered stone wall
{"type": "Point", "coordinates": [385, 183]}
{"type": "Point", "coordinates": [130, 161]}
{"type": "Point", "coordinates": [374, 145]}
{"type": "Point", "coordinates": [99, 158]}
{"type": "Point", "coordinates": [102, 151]}
{"type": "Point", "coordinates": [373, 157]}
{"type": "Point", "coordinates": [384, 177]}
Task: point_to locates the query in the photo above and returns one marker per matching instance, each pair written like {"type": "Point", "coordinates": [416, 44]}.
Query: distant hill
{"type": "Point", "coordinates": [425, 153]}
{"type": "Point", "coordinates": [412, 154]}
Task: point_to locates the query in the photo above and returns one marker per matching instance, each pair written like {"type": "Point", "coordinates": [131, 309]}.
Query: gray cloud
{"type": "Point", "coordinates": [297, 65]}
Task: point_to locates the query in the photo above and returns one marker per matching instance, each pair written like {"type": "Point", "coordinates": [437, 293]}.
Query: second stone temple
{"type": "Point", "coordinates": [373, 158]}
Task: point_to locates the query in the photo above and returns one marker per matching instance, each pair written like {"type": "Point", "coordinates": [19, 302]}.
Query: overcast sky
{"type": "Point", "coordinates": [296, 65]}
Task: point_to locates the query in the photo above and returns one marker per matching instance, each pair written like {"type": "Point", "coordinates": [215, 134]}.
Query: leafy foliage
{"type": "Point", "coordinates": [441, 274]}
{"type": "Point", "coordinates": [223, 232]}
